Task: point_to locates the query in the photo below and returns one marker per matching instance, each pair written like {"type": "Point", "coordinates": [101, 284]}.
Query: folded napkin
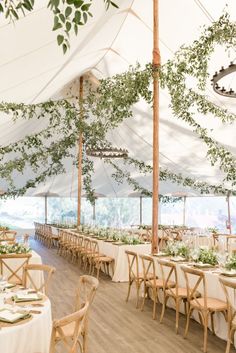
{"type": "Point", "coordinates": [26, 297]}
{"type": "Point", "coordinates": [10, 316]}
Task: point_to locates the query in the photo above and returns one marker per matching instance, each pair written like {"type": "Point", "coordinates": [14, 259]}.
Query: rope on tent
{"type": "Point", "coordinates": [204, 10]}
{"type": "Point", "coordinates": [109, 179]}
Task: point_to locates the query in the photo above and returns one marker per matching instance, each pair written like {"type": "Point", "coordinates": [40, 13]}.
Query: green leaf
{"type": "Point", "coordinates": [56, 27]}
{"type": "Point", "coordinates": [113, 4]}
{"type": "Point", "coordinates": [68, 11]}
{"type": "Point", "coordinates": [68, 26]}
{"type": "Point", "coordinates": [77, 17]}
{"type": "Point", "coordinates": [85, 7]}
{"type": "Point", "coordinates": [78, 3]}
{"type": "Point", "coordinates": [15, 14]}
{"type": "Point", "coordinates": [1, 8]}
{"type": "Point", "coordinates": [64, 47]}
{"type": "Point", "coordinates": [62, 18]}
{"type": "Point", "coordinates": [76, 29]}
{"type": "Point", "coordinates": [85, 17]}
{"type": "Point", "coordinates": [55, 3]}
{"type": "Point", "coordinates": [60, 39]}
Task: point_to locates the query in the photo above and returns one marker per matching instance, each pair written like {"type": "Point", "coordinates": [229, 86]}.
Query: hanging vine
{"type": "Point", "coordinates": [108, 106]}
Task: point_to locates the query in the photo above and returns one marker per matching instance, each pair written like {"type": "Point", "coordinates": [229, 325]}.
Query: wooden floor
{"type": "Point", "coordinates": [117, 326]}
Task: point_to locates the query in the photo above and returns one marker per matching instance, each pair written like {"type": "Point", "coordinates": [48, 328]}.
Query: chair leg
{"type": "Point", "coordinates": [230, 337]}
{"type": "Point", "coordinates": [138, 285]}
{"type": "Point", "coordinates": [98, 269]}
{"type": "Point", "coordinates": [130, 284]}
{"type": "Point", "coordinates": [205, 332]}
{"type": "Point", "coordinates": [212, 323]}
{"type": "Point", "coordinates": [177, 301]}
{"type": "Point", "coordinates": [187, 322]}
{"type": "Point", "coordinates": [144, 297]}
{"type": "Point", "coordinates": [154, 304]}
{"type": "Point", "coordinates": [165, 299]}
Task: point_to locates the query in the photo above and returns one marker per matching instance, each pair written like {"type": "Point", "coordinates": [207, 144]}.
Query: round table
{"type": "Point", "coordinates": [32, 336]}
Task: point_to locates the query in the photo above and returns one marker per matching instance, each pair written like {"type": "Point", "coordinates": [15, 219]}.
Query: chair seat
{"type": "Point", "coordinates": [213, 304]}
{"type": "Point", "coordinates": [103, 259]}
{"type": "Point", "coordinates": [182, 292]}
{"type": "Point", "coordinates": [68, 330]}
{"type": "Point", "coordinates": [159, 283]}
{"type": "Point", "coordinates": [149, 276]}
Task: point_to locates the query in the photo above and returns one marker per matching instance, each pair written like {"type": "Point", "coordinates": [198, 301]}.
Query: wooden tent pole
{"type": "Point", "coordinates": [46, 208]}
{"type": "Point", "coordinates": [184, 211]}
{"type": "Point", "coordinates": [80, 151]}
{"type": "Point", "coordinates": [229, 215]}
{"type": "Point", "coordinates": [140, 210]}
{"type": "Point", "coordinates": [155, 180]}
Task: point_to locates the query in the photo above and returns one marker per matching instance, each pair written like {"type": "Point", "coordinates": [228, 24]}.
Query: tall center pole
{"type": "Point", "coordinates": [229, 215]}
{"type": "Point", "coordinates": [80, 151]}
{"type": "Point", "coordinates": [155, 180]}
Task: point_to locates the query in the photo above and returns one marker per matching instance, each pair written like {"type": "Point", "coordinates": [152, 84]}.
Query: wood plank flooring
{"type": "Point", "coordinates": [117, 326]}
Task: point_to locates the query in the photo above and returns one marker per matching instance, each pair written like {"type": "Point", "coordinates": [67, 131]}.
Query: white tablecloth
{"type": "Point", "coordinates": [29, 337]}
{"type": "Point", "coordinates": [121, 273]}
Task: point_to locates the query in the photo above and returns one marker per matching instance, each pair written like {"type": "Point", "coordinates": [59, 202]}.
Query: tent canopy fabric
{"type": "Point", "coordinates": [33, 69]}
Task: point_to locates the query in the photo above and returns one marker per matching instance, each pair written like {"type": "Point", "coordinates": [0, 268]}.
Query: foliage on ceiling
{"type": "Point", "coordinates": [108, 106]}
{"type": "Point", "coordinates": [68, 15]}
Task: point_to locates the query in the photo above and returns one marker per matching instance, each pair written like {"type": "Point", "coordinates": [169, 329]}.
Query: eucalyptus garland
{"type": "Point", "coordinates": [108, 106]}
{"type": "Point", "coordinates": [164, 175]}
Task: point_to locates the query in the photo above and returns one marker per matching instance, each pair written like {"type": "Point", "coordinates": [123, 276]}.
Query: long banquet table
{"type": "Point", "coordinates": [121, 272]}
{"type": "Point", "coordinates": [214, 290]}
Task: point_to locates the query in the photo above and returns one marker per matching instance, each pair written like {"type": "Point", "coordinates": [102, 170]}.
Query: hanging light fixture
{"type": "Point", "coordinates": [107, 152]}
{"type": "Point", "coordinates": [218, 76]}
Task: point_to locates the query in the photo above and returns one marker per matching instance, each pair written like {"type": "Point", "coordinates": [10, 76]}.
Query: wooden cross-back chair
{"type": "Point", "coordinates": [28, 280]}
{"type": "Point", "coordinates": [178, 294]}
{"type": "Point", "coordinates": [100, 260]}
{"type": "Point", "coordinates": [134, 275]}
{"type": "Point", "coordinates": [93, 254]}
{"type": "Point", "coordinates": [8, 236]}
{"type": "Point", "coordinates": [68, 331]}
{"type": "Point", "coordinates": [11, 266]}
{"type": "Point", "coordinates": [229, 288]}
{"type": "Point", "coordinates": [86, 291]}
{"type": "Point", "coordinates": [206, 306]}
{"type": "Point", "coordinates": [151, 281]}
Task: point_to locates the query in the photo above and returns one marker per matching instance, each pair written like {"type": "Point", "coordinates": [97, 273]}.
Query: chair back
{"type": "Point", "coordinates": [149, 267]}
{"type": "Point", "coordinates": [86, 290]}
{"type": "Point", "coordinates": [169, 276]}
{"type": "Point", "coordinates": [94, 247]}
{"type": "Point", "coordinates": [229, 288]}
{"type": "Point", "coordinates": [132, 258]}
{"type": "Point", "coordinates": [45, 270]}
{"type": "Point", "coordinates": [87, 243]}
{"type": "Point", "coordinates": [8, 236]}
{"type": "Point", "coordinates": [11, 266]}
{"type": "Point", "coordinates": [195, 284]}
{"type": "Point", "coordinates": [59, 332]}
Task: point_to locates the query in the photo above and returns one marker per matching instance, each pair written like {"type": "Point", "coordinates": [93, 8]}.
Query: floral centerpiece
{"type": "Point", "coordinates": [177, 248]}
{"type": "Point", "coordinates": [14, 249]}
{"type": "Point", "coordinates": [213, 230]}
{"type": "Point", "coordinates": [231, 263]}
{"type": "Point", "coordinates": [204, 255]}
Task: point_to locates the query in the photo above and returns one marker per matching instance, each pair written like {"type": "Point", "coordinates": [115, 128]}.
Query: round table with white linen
{"type": "Point", "coordinates": [31, 336]}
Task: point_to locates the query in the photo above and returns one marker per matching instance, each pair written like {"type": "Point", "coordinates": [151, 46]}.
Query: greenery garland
{"type": "Point", "coordinates": [164, 175]}
{"type": "Point", "coordinates": [111, 104]}
{"type": "Point", "coordinates": [68, 15]}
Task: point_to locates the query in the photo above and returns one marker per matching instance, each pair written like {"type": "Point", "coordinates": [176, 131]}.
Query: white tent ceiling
{"type": "Point", "coordinates": [33, 69]}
